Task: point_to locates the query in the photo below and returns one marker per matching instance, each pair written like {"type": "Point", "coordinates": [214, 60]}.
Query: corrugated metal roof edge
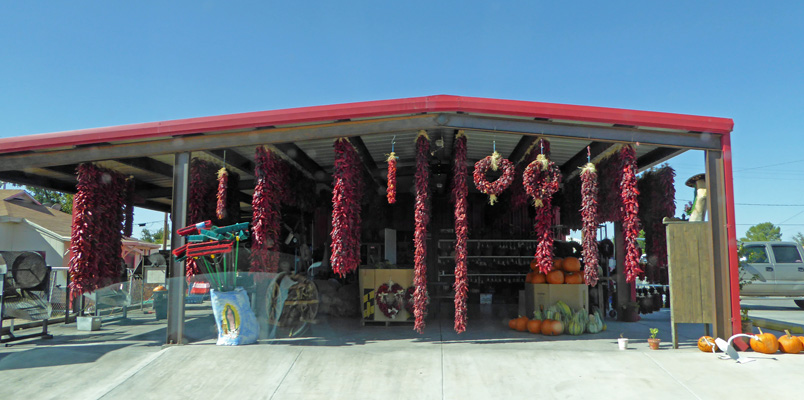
{"type": "Point", "coordinates": [368, 109]}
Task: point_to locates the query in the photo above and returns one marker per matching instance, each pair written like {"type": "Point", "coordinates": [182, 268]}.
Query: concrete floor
{"type": "Point", "coordinates": [340, 359]}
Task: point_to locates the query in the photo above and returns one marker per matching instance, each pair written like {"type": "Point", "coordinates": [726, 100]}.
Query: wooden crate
{"type": "Point", "coordinates": [542, 295]}
{"type": "Point", "coordinates": [371, 280]}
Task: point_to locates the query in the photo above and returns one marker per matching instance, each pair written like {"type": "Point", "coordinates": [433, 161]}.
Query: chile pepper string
{"type": "Point", "coordinates": [541, 180]}
{"type": "Point", "coordinates": [266, 204]}
{"type": "Point", "coordinates": [459, 193]}
{"type": "Point", "coordinates": [629, 214]}
{"type": "Point", "coordinates": [422, 218]}
{"type": "Point", "coordinates": [346, 218]}
{"type": "Point", "coordinates": [589, 216]}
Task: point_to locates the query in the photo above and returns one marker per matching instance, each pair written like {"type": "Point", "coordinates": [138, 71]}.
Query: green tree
{"type": "Point", "coordinates": [764, 232]}
{"type": "Point", "coordinates": [45, 196]}
{"type": "Point", "coordinates": [799, 238]}
{"type": "Point", "coordinates": [155, 237]}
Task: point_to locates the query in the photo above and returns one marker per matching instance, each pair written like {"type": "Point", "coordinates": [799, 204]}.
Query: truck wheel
{"type": "Point", "coordinates": [800, 304]}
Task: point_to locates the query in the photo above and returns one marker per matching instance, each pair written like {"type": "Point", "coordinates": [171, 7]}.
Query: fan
{"type": "Point", "coordinates": [24, 289]}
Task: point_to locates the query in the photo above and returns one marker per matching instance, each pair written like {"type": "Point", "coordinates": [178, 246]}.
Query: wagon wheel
{"type": "Point", "coordinates": [299, 308]}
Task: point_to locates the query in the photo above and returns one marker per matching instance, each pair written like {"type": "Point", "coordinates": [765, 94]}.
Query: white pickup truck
{"type": "Point", "coordinates": [778, 268]}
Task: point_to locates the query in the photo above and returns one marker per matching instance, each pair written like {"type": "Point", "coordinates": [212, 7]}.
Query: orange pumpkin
{"type": "Point", "coordinates": [534, 265]}
{"type": "Point", "coordinates": [512, 323]}
{"type": "Point", "coordinates": [571, 264]}
{"type": "Point", "coordinates": [547, 327]}
{"type": "Point", "coordinates": [522, 324]}
{"type": "Point", "coordinates": [801, 338]}
{"type": "Point", "coordinates": [706, 344]}
{"type": "Point", "coordinates": [529, 277]}
{"type": "Point", "coordinates": [557, 328]}
{"type": "Point", "coordinates": [538, 278]}
{"type": "Point", "coordinates": [789, 343]}
{"type": "Point", "coordinates": [573, 278]}
{"type": "Point", "coordinates": [534, 326]}
{"type": "Point", "coordinates": [767, 343]}
{"type": "Point", "coordinates": [558, 263]}
{"type": "Point", "coordinates": [555, 277]}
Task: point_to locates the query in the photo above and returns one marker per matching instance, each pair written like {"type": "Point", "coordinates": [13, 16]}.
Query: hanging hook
{"type": "Point", "coordinates": [393, 142]}
{"type": "Point", "coordinates": [494, 145]}
{"type": "Point", "coordinates": [588, 154]}
{"type": "Point", "coordinates": [541, 145]}
{"type": "Point", "coordinates": [224, 158]}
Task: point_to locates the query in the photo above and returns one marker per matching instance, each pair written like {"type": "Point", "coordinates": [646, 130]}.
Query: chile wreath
{"type": "Point", "coordinates": [493, 189]}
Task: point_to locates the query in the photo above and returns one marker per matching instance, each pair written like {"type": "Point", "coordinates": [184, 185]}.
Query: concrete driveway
{"type": "Point", "coordinates": [340, 359]}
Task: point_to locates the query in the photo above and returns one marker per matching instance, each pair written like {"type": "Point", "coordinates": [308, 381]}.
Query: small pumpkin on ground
{"type": "Point", "coordinates": [571, 264]}
{"type": "Point", "coordinates": [522, 324]}
{"type": "Point", "coordinates": [555, 277]}
{"type": "Point", "coordinates": [766, 344]}
{"type": "Point", "coordinates": [707, 344]}
{"type": "Point", "coordinates": [535, 326]}
{"type": "Point", "coordinates": [512, 323]}
{"type": "Point", "coordinates": [790, 344]}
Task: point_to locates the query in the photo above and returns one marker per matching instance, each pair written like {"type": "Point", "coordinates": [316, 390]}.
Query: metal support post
{"type": "Point", "coordinates": [176, 283]}
{"type": "Point", "coordinates": [715, 179]}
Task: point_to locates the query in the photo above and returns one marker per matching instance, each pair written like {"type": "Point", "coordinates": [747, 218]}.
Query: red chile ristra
{"type": "Point", "coordinates": [223, 182]}
{"type": "Point", "coordinates": [629, 211]}
{"type": "Point", "coordinates": [541, 179]}
{"type": "Point", "coordinates": [422, 218]}
{"type": "Point", "coordinates": [266, 218]}
{"type": "Point", "coordinates": [391, 191]}
{"type": "Point", "coordinates": [348, 188]}
{"type": "Point", "coordinates": [589, 216]}
{"type": "Point", "coordinates": [459, 193]}
{"type": "Point", "coordinates": [97, 230]}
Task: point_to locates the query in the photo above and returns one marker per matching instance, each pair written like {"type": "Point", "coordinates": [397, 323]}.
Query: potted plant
{"type": "Point", "coordinates": [653, 341]}
{"type": "Point", "coordinates": [622, 342]}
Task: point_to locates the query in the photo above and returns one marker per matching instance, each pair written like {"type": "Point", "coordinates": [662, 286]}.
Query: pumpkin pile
{"type": "Point", "coordinates": [565, 271]}
{"type": "Point", "coordinates": [558, 319]}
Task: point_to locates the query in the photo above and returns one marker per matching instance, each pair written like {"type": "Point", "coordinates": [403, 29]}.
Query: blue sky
{"type": "Point", "coordinates": [82, 64]}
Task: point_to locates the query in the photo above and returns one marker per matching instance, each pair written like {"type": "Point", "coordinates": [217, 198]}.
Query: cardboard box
{"type": "Point", "coordinates": [543, 295]}
{"type": "Point", "coordinates": [370, 280]}
{"type": "Point", "coordinates": [88, 323]}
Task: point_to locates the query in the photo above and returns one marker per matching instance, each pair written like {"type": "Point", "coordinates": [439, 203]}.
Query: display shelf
{"type": "Point", "coordinates": [493, 240]}
{"type": "Point", "coordinates": [500, 274]}
{"type": "Point", "coordinates": [471, 257]}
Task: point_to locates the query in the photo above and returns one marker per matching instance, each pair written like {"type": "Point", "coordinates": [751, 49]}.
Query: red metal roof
{"type": "Point", "coordinates": [369, 109]}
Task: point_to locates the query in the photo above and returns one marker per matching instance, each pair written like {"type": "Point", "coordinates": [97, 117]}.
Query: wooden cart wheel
{"type": "Point", "coordinates": [299, 308]}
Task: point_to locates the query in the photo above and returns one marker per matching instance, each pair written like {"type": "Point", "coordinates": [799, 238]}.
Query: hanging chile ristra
{"type": "Point", "coordinates": [391, 191]}
{"type": "Point", "coordinates": [128, 230]}
{"type": "Point", "coordinates": [459, 197]}
{"type": "Point", "coordinates": [97, 231]}
{"type": "Point", "coordinates": [422, 218]}
{"type": "Point", "coordinates": [589, 216]}
{"type": "Point", "coordinates": [201, 193]}
{"type": "Point", "coordinates": [348, 189]}
{"type": "Point", "coordinates": [223, 182]}
{"type": "Point", "coordinates": [629, 212]}
{"type": "Point", "coordinates": [266, 220]}
{"type": "Point", "coordinates": [541, 179]}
